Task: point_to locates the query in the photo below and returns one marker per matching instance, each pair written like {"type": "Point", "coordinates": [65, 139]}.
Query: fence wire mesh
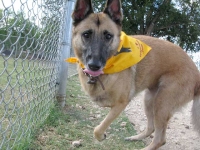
{"type": "Point", "coordinates": [29, 65]}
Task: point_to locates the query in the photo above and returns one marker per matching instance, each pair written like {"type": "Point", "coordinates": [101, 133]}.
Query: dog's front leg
{"type": "Point", "coordinates": [114, 113]}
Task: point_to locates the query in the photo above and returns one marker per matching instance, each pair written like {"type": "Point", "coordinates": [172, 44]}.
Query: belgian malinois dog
{"type": "Point", "coordinates": [167, 73]}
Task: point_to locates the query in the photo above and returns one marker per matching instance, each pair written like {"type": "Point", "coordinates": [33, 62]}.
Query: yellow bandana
{"type": "Point", "coordinates": [130, 52]}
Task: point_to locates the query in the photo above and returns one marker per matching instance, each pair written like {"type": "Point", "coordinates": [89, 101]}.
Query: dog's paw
{"type": "Point", "coordinates": [99, 135]}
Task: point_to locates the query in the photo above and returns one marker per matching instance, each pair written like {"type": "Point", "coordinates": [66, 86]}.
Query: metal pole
{"type": "Point", "coordinates": [65, 51]}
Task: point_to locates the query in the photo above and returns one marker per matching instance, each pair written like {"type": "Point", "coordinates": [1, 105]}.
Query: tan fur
{"type": "Point", "coordinates": [168, 75]}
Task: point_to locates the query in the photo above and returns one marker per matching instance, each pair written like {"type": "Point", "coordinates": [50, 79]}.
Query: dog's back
{"type": "Point", "coordinates": [163, 61]}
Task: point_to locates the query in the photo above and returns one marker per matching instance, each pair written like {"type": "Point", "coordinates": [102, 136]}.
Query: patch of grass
{"type": "Point", "coordinates": [76, 122]}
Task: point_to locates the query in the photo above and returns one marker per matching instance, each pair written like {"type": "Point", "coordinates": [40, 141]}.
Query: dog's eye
{"type": "Point", "coordinates": [108, 36]}
{"type": "Point", "coordinates": [87, 34]}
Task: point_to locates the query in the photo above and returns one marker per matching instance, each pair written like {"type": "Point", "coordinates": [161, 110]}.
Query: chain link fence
{"type": "Point", "coordinates": [31, 34]}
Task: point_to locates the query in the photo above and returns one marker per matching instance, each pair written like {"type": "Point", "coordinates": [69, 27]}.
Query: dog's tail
{"type": "Point", "coordinates": [196, 110]}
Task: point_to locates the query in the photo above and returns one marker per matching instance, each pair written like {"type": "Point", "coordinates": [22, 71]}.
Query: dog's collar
{"type": "Point", "coordinates": [93, 80]}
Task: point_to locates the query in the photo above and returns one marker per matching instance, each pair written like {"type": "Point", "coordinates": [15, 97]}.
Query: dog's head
{"type": "Point", "coordinates": [96, 36]}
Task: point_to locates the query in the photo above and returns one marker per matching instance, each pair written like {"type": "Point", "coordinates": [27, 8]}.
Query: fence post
{"type": "Point", "coordinates": [65, 51]}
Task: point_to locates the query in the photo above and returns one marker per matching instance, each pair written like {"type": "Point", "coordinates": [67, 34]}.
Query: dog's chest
{"type": "Point", "coordinates": [103, 100]}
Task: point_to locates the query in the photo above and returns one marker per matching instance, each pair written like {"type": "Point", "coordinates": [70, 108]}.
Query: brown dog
{"type": "Point", "coordinates": [168, 75]}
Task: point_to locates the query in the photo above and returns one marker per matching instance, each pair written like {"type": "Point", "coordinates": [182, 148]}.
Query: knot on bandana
{"type": "Point", "coordinates": [130, 52]}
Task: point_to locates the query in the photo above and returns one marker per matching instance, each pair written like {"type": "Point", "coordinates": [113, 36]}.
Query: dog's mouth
{"type": "Point", "coordinates": [93, 73]}
{"type": "Point", "coordinates": [94, 67]}
{"type": "Point", "coordinates": [93, 76]}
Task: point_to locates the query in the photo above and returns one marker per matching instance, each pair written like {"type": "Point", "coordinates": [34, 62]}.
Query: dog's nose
{"type": "Point", "coordinates": [94, 67]}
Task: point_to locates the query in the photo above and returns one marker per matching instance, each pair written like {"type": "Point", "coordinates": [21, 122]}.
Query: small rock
{"type": "Point", "coordinates": [98, 116]}
{"type": "Point", "coordinates": [123, 124]}
{"type": "Point", "coordinates": [76, 143]}
{"type": "Point", "coordinates": [71, 95]}
{"type": "Point", "coordinates": [91, 118]}
{"type": "Point", "coordinates": [187, 127]}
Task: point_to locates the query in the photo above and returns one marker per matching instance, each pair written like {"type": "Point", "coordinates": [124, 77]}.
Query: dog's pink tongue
{"type": "Point", "coordinates": [93, 73]}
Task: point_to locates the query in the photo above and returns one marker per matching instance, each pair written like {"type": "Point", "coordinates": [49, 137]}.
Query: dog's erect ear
{"type": "Point", "coordinates": [113, 9]}
{"type": "Point", "coordinates": [82, 9]}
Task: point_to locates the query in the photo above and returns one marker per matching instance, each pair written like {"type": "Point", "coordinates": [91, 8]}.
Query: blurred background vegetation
{"type": "Point", "coordinates": [177, 21]}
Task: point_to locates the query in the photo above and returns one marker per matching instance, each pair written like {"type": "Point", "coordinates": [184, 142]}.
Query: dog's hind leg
{"type": "Point", "coordinates": [148, 106]}
{"type": "Point", "coordinates": [99, 131]}
{"type": "Point", "coordinates": [168, 99]}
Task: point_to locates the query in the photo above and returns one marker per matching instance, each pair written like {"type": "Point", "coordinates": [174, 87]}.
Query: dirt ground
{"type": "Point", "coordinates": [180, 133]}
